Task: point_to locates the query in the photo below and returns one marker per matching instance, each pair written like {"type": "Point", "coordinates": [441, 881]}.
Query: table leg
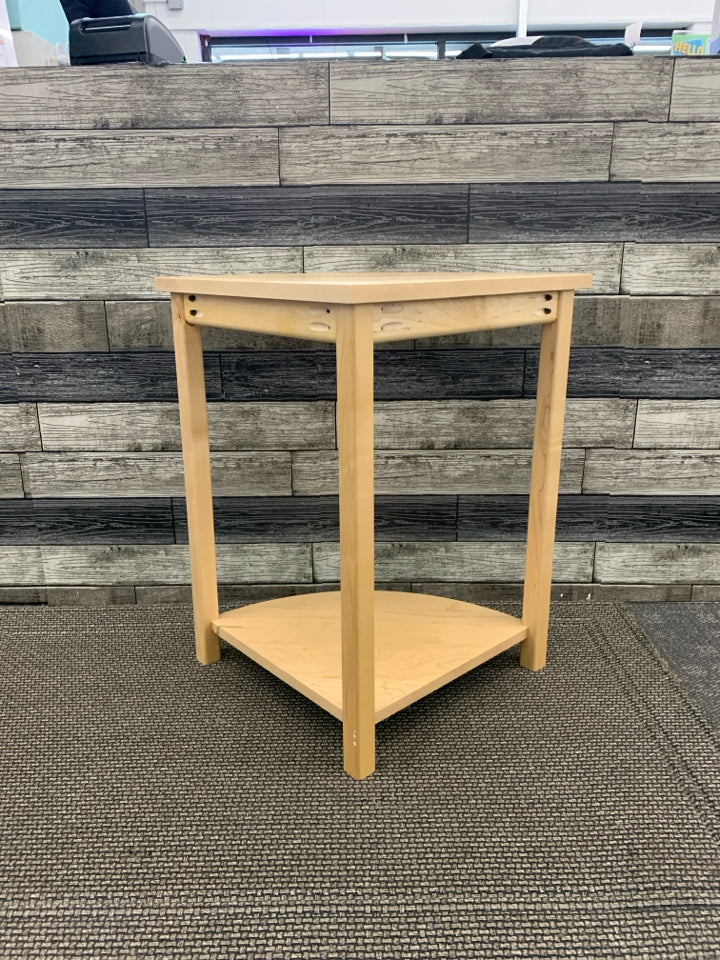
{"type": "Point", "coordinates": [545, 481]}
{"type": "Point", "coordinates": [198, 483]}
{"type": "Point", "coordinates": [357, 536]}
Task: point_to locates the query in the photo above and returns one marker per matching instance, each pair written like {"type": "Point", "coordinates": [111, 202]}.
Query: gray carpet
{"type": "Point", "coordinates": [154, 808]}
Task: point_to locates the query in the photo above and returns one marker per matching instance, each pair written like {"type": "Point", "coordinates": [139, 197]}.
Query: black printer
{"type": "Point", "coordinates": [131, 39]}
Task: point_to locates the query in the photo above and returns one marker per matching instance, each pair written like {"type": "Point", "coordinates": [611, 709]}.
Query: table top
{"type": "Point", "coordinates": [373, 287]}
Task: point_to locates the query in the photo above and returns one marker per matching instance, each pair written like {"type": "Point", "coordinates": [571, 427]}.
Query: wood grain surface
{"type": "Point", "coordinates": [666, 152]}
{"type": "Point", "coordinates": [11, 484]}
{"type": "Point", "coordinates": [660, 424]}
{"type": "Point", "coordinates": [86, 521]}
{"type": "Point", "coordinates": [695, 89]}
{"type": "Point", "coordinates": [55, 326]}
{"type": "Point", "coordinates": [652, 472]}
{"type": "Point", "coordinates": [671, 268]}
{"type": "Point", "coordinates": [657, 563]}
{"type": "Point", "coordinates": [19, 429]}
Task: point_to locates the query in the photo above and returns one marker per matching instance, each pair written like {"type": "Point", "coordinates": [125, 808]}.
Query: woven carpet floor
{"type": "Point", "coordinates": [154, 808]}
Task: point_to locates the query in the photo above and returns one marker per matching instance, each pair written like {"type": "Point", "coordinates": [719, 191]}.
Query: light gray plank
{"type": "Point", "coordinates": [473, 424]}
{"type": "Point", "coordinates": [147, 325]}
{"type": "Point", "coordinates": [667, 268]}
{"type": "Point", "coordinates": [650, 473]}
{"type": "Point", "coordinates": [5, 342]}
{"type": "Point", "coordinates": [601, 259]}
{"type": "Point", "coordinates": [666, 152]}
{"type": "Point", "coordinates": [128, 274]}
{"type": "Point", "coordinates": [548, 152]}
{"type": "Point", "coordinates": [489, 593]}
{"type": "Point", "coordinates": [151, 474]}
{"type": "Point", "coordinates": [439, 472]}
{"type": "Point", "coordinates": [657, 563]}
{"type": "Point", "coordinates": [11, 484]}
{"type": "Point", "coordinates": [481, 91]}
{"type": "Point", "coordinates": [170, 563]}
{"type": "Point", "coordinates": [457, 561]}
{"type": "Point", "coordinates": [156, 426]}
{"type": "Point", "coordinates": [21, 567]}
{"type": "Point", "coordinates": [706, 592]}
{"type": "Point", "coordinates": [89, 596]}
{"type": "Point", "coordinates": [19, 427]}
{"type": "Point", "coordinates": [56, 326]}
{"type": "Point", "coordinates": [131, 96]}
{"type": "Point", "coordinates": [696, 89]}
{"type": "Point", "coordinates": [139, 158]}
{"type": "Point", "coordinates": [671, 322]}
{"type": "Point", "coordinates": [693, 424]}
{"type": "Point", "coordinates": [23, 595]}
{"type": "Point", "coordinates": [236, 595]}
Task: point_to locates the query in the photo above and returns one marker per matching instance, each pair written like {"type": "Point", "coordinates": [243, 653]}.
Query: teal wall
{"type": "Point", "coordinates": [43, 17]}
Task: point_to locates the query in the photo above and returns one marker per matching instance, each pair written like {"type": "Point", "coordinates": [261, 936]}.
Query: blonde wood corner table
{"type": "Point", "coordinates": [359, 653]}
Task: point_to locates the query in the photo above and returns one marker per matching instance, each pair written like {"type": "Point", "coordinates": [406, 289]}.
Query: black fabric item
{"type": "Point", "coordinates": [551, 46]}
{"type": "Point", "coordinates": [77, 9]}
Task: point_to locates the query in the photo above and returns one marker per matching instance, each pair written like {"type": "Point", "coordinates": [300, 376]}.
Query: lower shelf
{"type": "Point", "coordinates": [421, 643]}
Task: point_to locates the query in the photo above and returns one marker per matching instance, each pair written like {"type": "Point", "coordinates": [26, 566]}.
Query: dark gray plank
{"type": "Point", "coordinates": [459, 92]}
{"type": "Point", "coordinates": [56, 326]}
{"type": "Point", "coordinates": [283, 215]}
{"type": "Point", "coordinates": [595, 517]}
{"type": "Point", "coordinates": [657, 563]}
{"type": "Point", "coordinates": [679, 472]}
{"type": "Point", "coordinates": [399, 374]}
{"type": "Point", "coordinates": [86, 521]}
{"type": "Point", "coordinates": [666, 152]}
{"type": "Point", "coordinates": [695, 89]}
{"type": "Point", "coordinates": [89, 596]}
{"type": "Point", "coordinates": [79, 377]}
{"type": "Point", "coordinates": [298, 519]}
{"type": "Point", "coordinates": [70, 218]}
{"type": "Point", "coordinates": [671, 268]}
{"type": "Point", "coordinates": [131, 96]}
{"type": "Point", "coordinates": [619, 372]}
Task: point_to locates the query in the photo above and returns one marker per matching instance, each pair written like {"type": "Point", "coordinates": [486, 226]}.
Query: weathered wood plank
{"type": "Point", "coordinates": [83, 521]}
{"type": "Point", "coordinates": [69, 218]}
{"type": "Point", "coordinates": [399, 374]}
{"type": "Point", "coordinates": [666, 152]}
{"type": "Point", "coordinates": [55, 326]}
{"type": "Point", "coordinates": [601, 259]}
{"type": "Point", "coordinates": [129, 96]}
{"type": "Point", "coordinates": [657, 563]}
{"type": "Point", "coordinates": [705, 592]}
{"type": "Point", "coordinates": [601, 517]}
{"type": "Point", "coordinates": [139, 158]}
{"type": "Point", "coordinates": [671, 268]}
{"type": "Point", "coordinates": [214, 216]}
{"type": "Point", "coordinates": [619, 372]}
{"type": "Point", "coordinates": [128, 274]}
{"type": "Point", "coordinates": [23, 595]}
{"type": "Point", "coordinates": [492, 593]}
{"type": "Point", "coordinates": [260, 563]}
{"type": "Point", "coordinates": [692, 424]}
{"type": "Point", "coordinates": [21, 566]}
{"type": "Point", "coordinates": [457, 561]}
{"type": "Point", "coordinates": [298, 519]}
{"type": "Point", "coordinates": [96, 377]}
{"type": "Point", "coordinates": [433, 472]}
{"type": "Point", "coordinates": [695, 89]}
{"type": "Point", "coordinates": [395, 154]}
{"type": "Point", "coordinates": [260, 474]}
{"type": "Point", "coordinates": [652, 473]}
{"type": "Point", "coordinates": [459, 92]}
{"type": "Point", "coordinates": [156, 426]}
{"type": "Point", "coordinates": [11, 484]}
{"type": "Point", "coordinates": [89, 596]}
{"type": "Point", "coordinates": [19, 429]}
{"type": "Point", "coordinates": [236, 595]}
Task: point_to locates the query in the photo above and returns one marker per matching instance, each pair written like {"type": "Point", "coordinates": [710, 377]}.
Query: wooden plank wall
{"type": "Point", "coordinates": [112, 175]}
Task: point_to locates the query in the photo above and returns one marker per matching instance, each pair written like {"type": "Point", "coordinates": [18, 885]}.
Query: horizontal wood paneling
{"type": "Point", "coordinates": [667, 268]}
{"type": "Point", "coordinates": [260, 563]}
{"type": "Point", "coordinates": [56, 377]}
{"type": "Point", "coordinates": [588, 517]}
{"type": "Point", "coordinates": [433, 472]}
{"type": "Point", "coordinates": [287, 215]}
{"type": "Point", "coordinates": [290, 519]}
{"type": "Point", "coordinates": [695, 90]}
{"type": "Point", "coordinates": [89, 596]}
{"type": "Point", "coordinates": [694, 423]}
{"type": "Point", "coordinates": [21, 566]}
{"type": "Point", "coordinates": [459, 92]}
{"type": "Point", "coordinates": [156, 426]}
{"type": "Point", "coordinates": [601, 259]}
{"type": "Point", "coordinates": [492, 593]}
{"type": "Point", "coordinates": [666, 152]}
{"type": "Point", "coordinates": [11, 484]}
{"type": "Point", "coordinates": [83, 521]}
{"type": "Point", "coordinates": [652, 473]}
{"type": "Point", "coordinates": [462, 424]}
{"type": "Point", "coordinates": [70, 218]}
{"type": "Point", "coordinates": [502, 152]}
{"type": "Point", "coordinates": [127, 274]}
{"type": "Point", "coordinates": [56, 326]}
{"type": "Point", "coordinates": [260, 474]}
{"type": "Point", "coordinates": [618, 372]}
{"type": "Point", "coordinates": [19, 428]}
{"type": "Point", "coordinates": [128, 96]}
{"type": "Point", "coordinates": [657, 563]}
{"type": "Point", "coordinates": [416, 374]}
{"type": "Point", "coordinates": [139, 158]}
{"type": "Point", "coordinates": [496, 562]}
{"type": "Point", "coordinates": [706, 592]}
